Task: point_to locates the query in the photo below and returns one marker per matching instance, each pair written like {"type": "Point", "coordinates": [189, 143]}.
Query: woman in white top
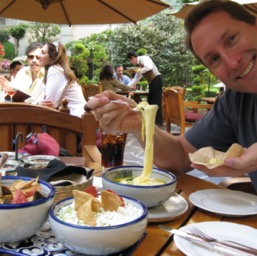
{"type": "Point", "coordinates": [60, 81]}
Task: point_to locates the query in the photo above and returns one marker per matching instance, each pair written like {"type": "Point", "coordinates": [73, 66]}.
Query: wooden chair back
{"type": "Point", "coordinates": [65, 128]}
{"type": "Point", "coordinates": [175, 108]}
{"type": "Point", "coordinates": [173, 98]}
{"type": "Point", "coordinates": [90, 90]}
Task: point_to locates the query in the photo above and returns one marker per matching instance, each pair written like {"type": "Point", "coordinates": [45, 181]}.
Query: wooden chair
{"type": "Point", "coordinates": [65, 128]}
{"type": "Point", "coordinates": [177, 110]}
{"type": "Point", "coordinates": [90, 90]}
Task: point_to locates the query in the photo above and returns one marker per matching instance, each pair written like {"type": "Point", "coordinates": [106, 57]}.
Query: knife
{"type": "Point", "coordinates": [218, 245]}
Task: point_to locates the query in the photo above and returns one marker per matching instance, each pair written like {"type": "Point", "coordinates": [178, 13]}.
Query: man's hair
{"type": "Point", "coordinates": [132, 54]}
{"type": "Point", "coordinates": [14, 64]}
{"type": "Point", "coordinates": [118, 66]}
{"type": "Point", "coordinates": [33, 46]}
{"type": "Point", "coordinates": [207, 7]}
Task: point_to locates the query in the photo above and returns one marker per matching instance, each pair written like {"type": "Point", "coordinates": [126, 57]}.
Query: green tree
{"type": "Point", "coordinates": [163, 38]}
{"type": "Point", "coordinates": [9, 50]}
{"type": "Point", "coordinates": [44, 32]}
{"type": "Point", "coordinates": [18, 32]}
{"type": "Point", "coordinates": [78, 61]}
{"type": "Point", "coordinates": [4, 36]}
{"type": "Point", "coordinates": [95, 45]}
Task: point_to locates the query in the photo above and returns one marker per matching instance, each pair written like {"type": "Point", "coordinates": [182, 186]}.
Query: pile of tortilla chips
{"type": "Point", "coordinates": [20, 192]}
{"type": "Point", "coordinates": [87, 205]}
{"type": "Point", "coordinates": [212, 158]}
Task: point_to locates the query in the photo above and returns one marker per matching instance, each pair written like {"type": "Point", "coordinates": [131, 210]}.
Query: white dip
{"type": "Point", "coordinates": [103, 218]}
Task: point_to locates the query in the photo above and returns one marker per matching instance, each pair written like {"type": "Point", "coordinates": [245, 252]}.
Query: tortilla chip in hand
{"type": "Point", "coordinates": [212, 158]}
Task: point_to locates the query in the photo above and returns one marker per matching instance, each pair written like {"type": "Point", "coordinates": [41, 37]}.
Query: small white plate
{"type": "Point", "coordinates": [174, 207]}
{"type": "Point", "coordinates": [39, 160]}
{"type": "Point", "coordinates": [221, 230]}
{"type": "Point", "coordinates": [225, 202]}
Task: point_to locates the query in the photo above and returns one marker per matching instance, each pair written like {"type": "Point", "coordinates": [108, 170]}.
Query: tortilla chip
{"type": "Point", "coordinates": [110, 201]}
{"type": "Point", "coordinates": [86, 213]}
{"type": "Point", "coordinates": [212, 158]}
{"type": "Point", "coordinates": [234, 151]}
{"type": "Point", "coordinates": [81, 197]}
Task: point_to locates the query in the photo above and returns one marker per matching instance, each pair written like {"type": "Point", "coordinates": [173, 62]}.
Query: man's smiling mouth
{"type": "Point", "coordinates": [247, 70]}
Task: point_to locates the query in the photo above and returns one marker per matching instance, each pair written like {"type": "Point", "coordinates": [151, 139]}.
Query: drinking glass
{"type": "Point", "coordinates": [11, 92]}
{"type": "Point", "coordinates": [112, 149]}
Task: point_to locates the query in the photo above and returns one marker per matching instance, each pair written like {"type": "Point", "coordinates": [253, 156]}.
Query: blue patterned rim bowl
{"type": "Point", "coordinates": [21, 221]}
{"type": "Point", "coordinates": [149, 195]}
{"type": "Point", "coordinates": [100, 240]}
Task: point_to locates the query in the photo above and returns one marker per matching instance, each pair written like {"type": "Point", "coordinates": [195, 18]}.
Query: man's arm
{"type": "Point", "coordinates": [170, 152]}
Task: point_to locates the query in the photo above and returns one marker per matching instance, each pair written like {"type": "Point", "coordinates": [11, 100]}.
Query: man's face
{"type": "Point", "coordinates": [15, 70]}
{"type": "Point", "coordinates": [119, 71]}
{"type": "Point", "coordinates": [133, 60]}
{"type": "Point", "coordinates": [33, 60]}
{"type": "Point", "coordinates": [228, 48]}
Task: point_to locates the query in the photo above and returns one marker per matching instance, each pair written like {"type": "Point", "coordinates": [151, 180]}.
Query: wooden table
{"type": "Point", "coordinates": [160, 242]}
{"type": "Point", "coordinates": [137, 94]}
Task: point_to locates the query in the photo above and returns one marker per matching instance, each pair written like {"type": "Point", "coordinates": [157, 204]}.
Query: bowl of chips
{"type": "Point", "coordinates": [151, 191]}
{"type": "Point", "coordinates": [99, 224]}
{"type": "Point", "coordinates": [24, 206]}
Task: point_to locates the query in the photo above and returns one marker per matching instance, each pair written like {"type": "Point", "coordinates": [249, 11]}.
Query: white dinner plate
{"type": "Point", "coordinates": [220, 230]}
{"type": "Point", "coordinates": [225, 202]}
{"type": "Point", "coordinates": [173, 208]}
{"type": "Point", "coordinates": [39, 160]}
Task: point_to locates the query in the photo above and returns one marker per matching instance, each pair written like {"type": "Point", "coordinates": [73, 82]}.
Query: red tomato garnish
{"type": "Point", "coordinates": [30, 193]}
{"type": "Point", "coordinates": [92, 191]}
{"type": "Point", "coordinates": [19, 198]}
{"type": "Point", "coordinates": [121, 198]}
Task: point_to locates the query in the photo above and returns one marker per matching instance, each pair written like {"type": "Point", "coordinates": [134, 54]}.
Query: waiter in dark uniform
{"type": "Point", "coordinates": [149, 71]}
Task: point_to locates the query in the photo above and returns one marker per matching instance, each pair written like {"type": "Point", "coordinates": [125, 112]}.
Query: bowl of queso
{"type": "Point", "coordinates": [128, 181]}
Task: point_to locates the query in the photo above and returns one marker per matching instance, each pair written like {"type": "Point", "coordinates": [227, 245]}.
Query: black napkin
{"type": "Point", "coordinates": [54, 168]}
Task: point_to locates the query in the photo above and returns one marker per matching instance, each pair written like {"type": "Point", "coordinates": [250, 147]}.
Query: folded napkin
{"type": "Point", "coordinates": [54, 170]}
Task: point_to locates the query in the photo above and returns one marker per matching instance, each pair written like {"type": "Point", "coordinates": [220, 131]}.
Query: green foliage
{"type": "Point", "coordinates": [142, 85]}
{"type": "Point", "coordinates": [202, 80]}
{"type": "Point", "coordinates": [9, 50]}
{"type": "Point", "coordinates": [78, 60]}
{"type": "Point", "coordinates": [95, 46]}
{"type": "Point", "coordinates": [141, 52]}
{"type": "Point", "coordinates": [18, 31]}
{"type": "Point", "coordinates": [44, 32]}
{"type": "Point", "coordinates": [4, 36]}
{"type": "Point", "coordinates": [162, 37]}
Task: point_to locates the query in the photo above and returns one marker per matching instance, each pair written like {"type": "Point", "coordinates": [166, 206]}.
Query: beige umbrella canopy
{"type": "Point", "coordinates": [80, 11]}
{"type": "Point", "coordinates": [250, 5]}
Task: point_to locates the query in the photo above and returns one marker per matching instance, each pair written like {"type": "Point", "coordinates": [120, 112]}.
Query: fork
{"type": "Point", "coordinates": [197, 232]}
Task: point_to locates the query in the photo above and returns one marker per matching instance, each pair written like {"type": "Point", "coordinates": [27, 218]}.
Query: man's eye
{"type": "Point", "coordinates": [213, 60]}
{"type": "Point", "coordinates": [231, 39]}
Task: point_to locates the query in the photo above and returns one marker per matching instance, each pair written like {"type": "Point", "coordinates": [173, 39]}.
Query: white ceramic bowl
{"type": "Point", "coordinates": [20, 221]}
{"type": "Point", "coordinates": [150, 196]}
{"type": "Point", "coordinates": [98, 240]}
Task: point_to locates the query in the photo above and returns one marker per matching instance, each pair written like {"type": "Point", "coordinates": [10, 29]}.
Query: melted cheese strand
{"type": "Point", "coordinates": [148, 124]}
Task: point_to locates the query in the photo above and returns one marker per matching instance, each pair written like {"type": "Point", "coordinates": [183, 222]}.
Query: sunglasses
{"type": "Point", "coordinates": [31, 57]}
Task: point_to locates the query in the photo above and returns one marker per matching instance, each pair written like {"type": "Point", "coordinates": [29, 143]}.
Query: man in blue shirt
{"type": "Point", "coordinates": [119, 75]}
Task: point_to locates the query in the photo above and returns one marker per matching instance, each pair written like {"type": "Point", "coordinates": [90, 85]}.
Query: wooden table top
{"type": "Point", "coordinates": [160, 242]}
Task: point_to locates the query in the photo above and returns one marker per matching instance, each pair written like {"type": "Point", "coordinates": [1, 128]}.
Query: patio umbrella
{"type": "Point", "coordinates": [80, 11]}
{"type": "Point", "coordinates": [250, 5]}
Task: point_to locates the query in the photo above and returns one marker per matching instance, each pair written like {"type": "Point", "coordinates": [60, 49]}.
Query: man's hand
{"type": "Point", "coordinates": [6, 85]}
{"type": "Point", "coordinates": [234, 167]}
{"type": "Point", "coordinates": [115, 112]}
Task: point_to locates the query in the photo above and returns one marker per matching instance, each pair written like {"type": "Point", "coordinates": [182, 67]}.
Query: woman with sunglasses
{"type": "Point", "coordinates": [29, 79]}
{"type": "Point", "coordinates": [60, 81]}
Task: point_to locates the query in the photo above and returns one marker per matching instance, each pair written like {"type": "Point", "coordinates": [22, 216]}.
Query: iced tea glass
{"type": "Point", "coordinates": [112, 149]}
